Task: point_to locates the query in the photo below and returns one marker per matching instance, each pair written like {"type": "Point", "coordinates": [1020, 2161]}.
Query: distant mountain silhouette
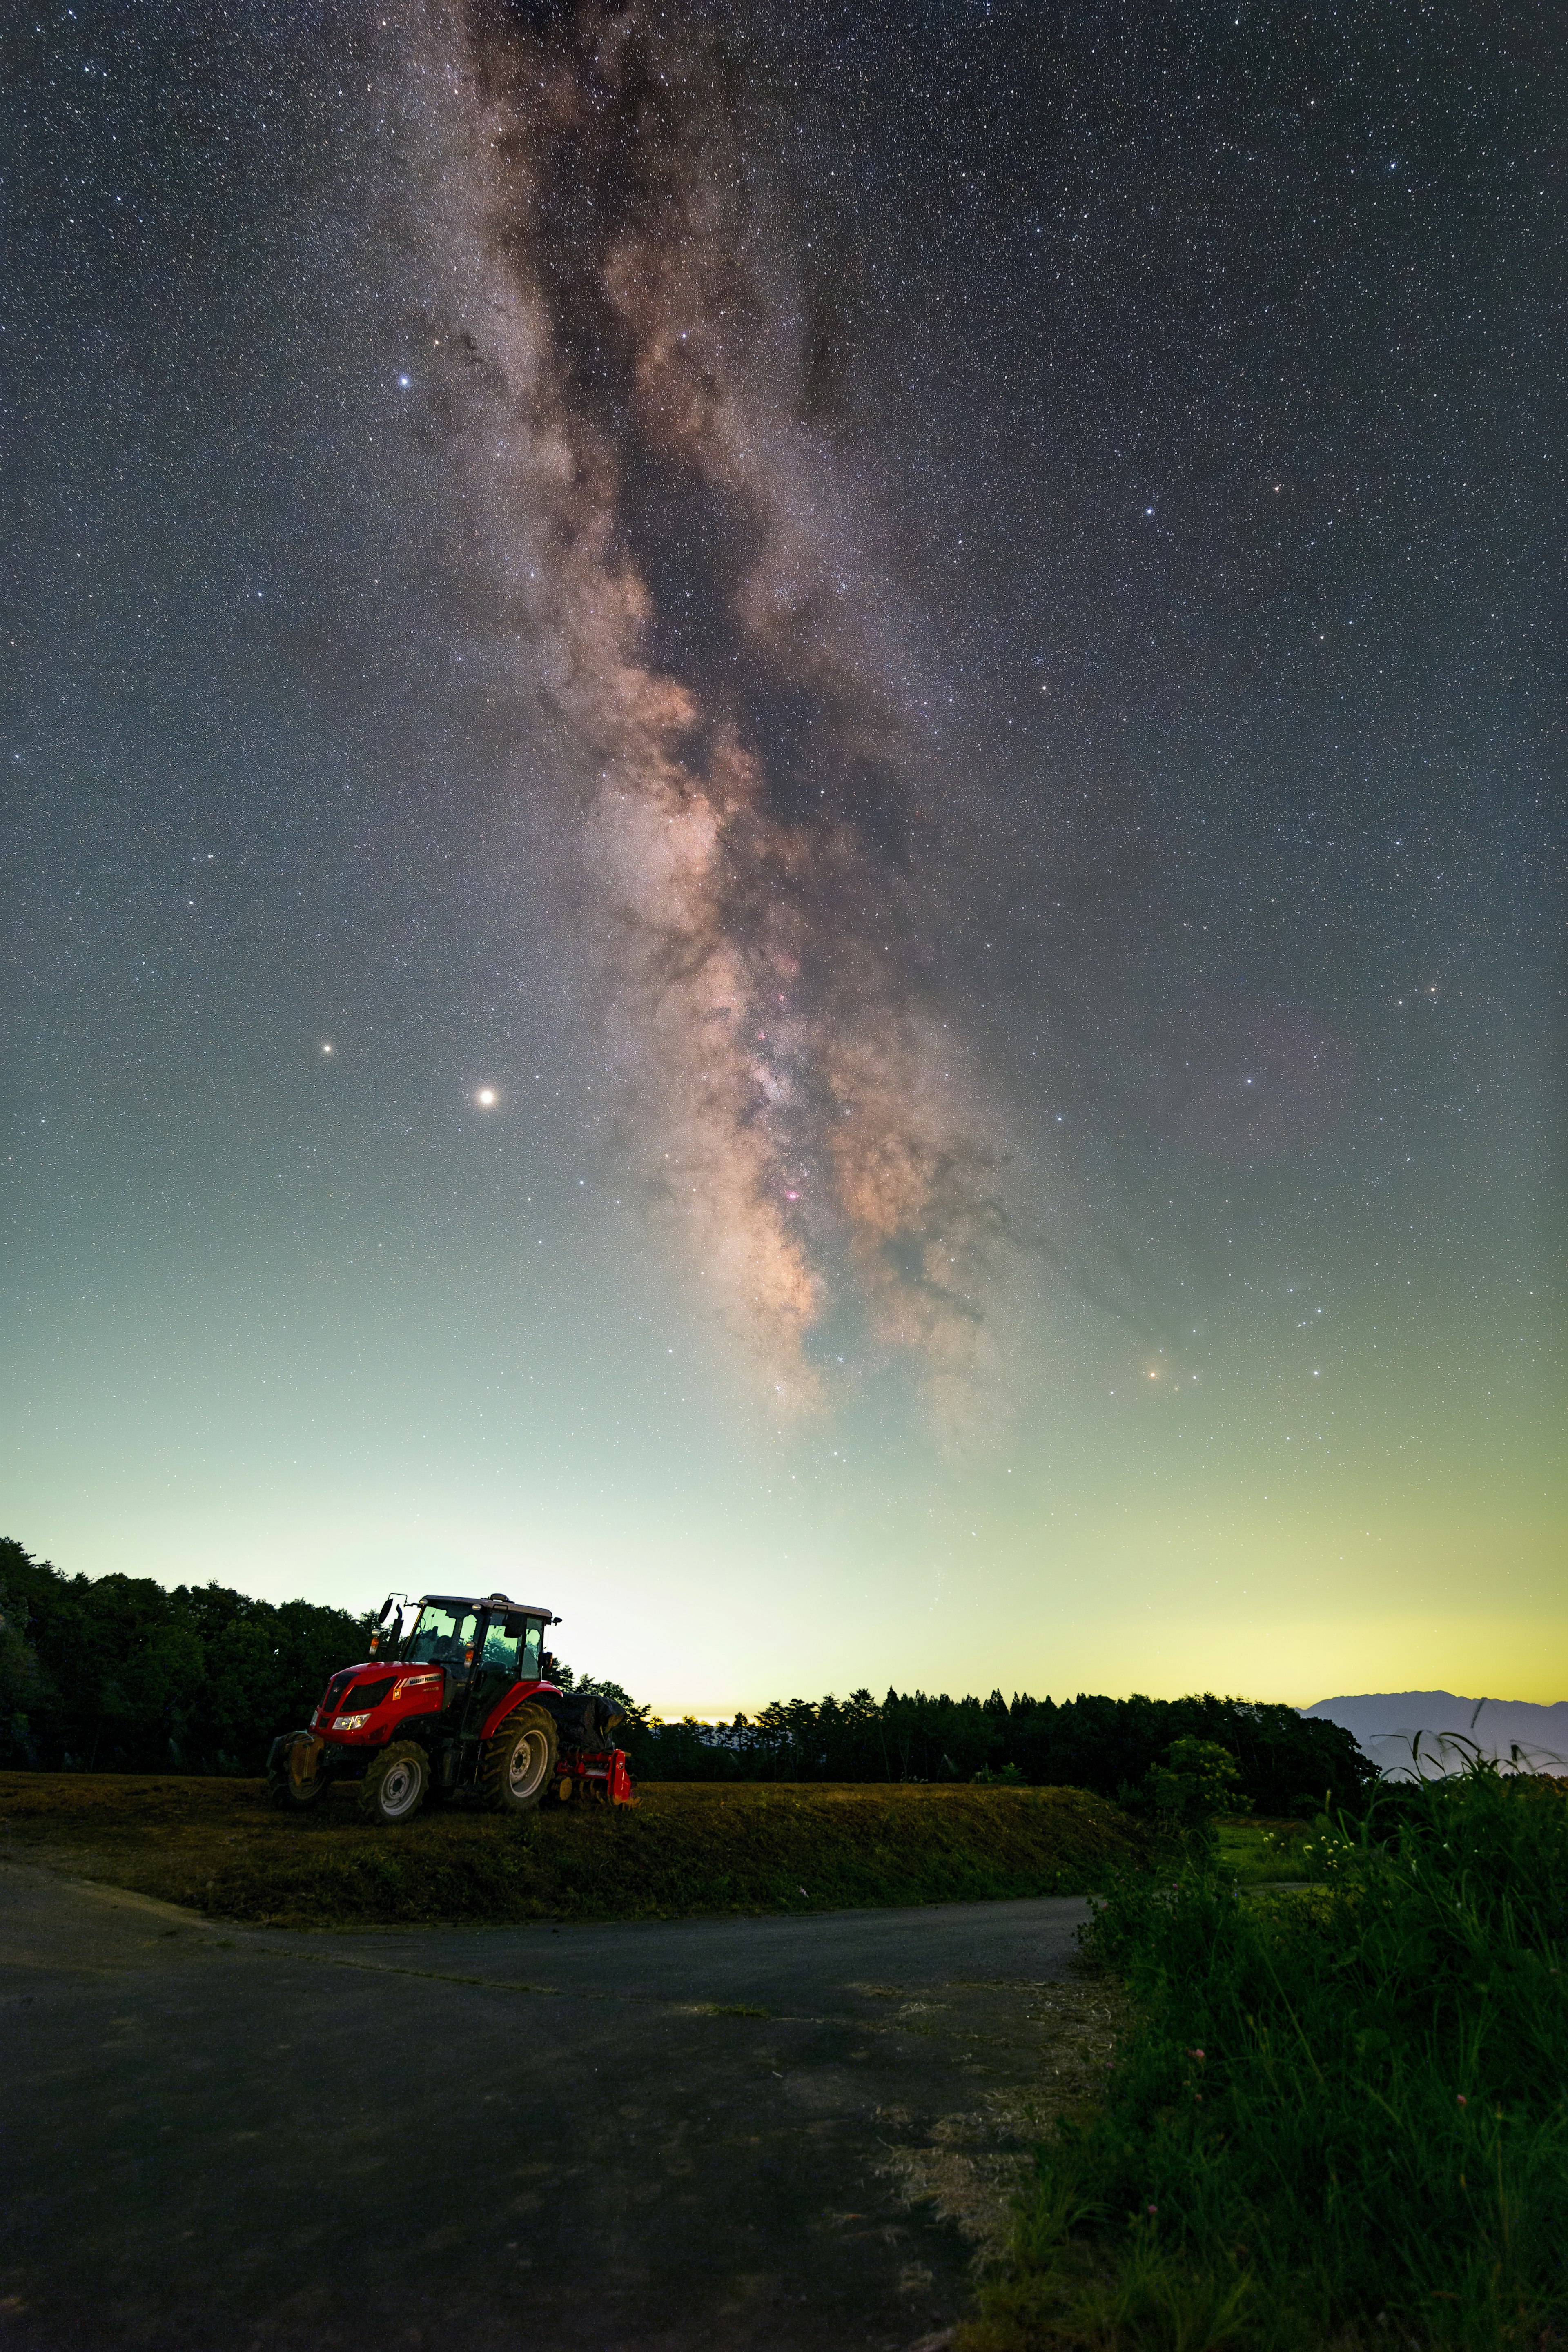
{"type": "Point", "coordinates": [1384, 1724]}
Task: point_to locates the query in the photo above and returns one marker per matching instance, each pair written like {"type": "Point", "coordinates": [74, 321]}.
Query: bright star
{"type": "Point", "coordinates": [486, 1098]}
{"type": "Point", "coordinates": [326, 1049]}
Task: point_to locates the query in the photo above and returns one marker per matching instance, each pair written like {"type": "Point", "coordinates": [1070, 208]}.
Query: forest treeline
{"type": "Point", "coordinates": [1285, 1762]}
{"type": "Point", "coordinates": [119, 1674]}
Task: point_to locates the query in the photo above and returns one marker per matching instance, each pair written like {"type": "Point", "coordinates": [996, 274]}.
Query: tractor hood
{"type": "Point", "coordinates": [365, 1690]}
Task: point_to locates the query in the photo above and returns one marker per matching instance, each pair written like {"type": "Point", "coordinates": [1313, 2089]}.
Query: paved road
{"type": "Point", "coordinates": [570, 2139]}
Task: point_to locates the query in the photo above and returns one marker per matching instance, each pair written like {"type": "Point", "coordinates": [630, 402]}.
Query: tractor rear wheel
{"type": "Point", "coordinates": [393, 1786]}
{"type": "Point", "coordinates": [520, 1761]}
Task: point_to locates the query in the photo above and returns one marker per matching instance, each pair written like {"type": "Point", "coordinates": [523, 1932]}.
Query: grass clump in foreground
{"type": "Point", "coordinates": [1342, 2118]}
{"type": "Point", "coordinates": [685, 1850]}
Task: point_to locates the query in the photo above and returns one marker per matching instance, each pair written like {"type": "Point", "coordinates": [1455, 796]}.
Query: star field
{"type": "Point", "coordinates": [784, 834]}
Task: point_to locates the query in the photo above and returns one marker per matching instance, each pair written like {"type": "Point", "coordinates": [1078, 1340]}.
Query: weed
{"type": "Point", "coordinates": [1343, 2112]}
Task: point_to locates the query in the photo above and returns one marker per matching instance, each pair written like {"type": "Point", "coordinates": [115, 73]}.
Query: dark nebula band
{"type": "Point", "coordinates": [676, 555]}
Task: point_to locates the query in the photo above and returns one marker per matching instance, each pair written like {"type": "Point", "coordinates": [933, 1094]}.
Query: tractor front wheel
{"type": "Point", "coordinates": [290, 1789]}
{"type": "Point", "coordinates": [520, 1761]}
{"type": "Point", "coordinates": [393, 1786]}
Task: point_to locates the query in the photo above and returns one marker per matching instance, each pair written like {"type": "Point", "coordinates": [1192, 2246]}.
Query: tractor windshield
{"type": "Point", "coordinates": [442, 1635]}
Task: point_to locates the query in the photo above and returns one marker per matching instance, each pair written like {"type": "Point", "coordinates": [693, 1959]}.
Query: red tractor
{"type": "Point", "coordinates": [456, 1694]}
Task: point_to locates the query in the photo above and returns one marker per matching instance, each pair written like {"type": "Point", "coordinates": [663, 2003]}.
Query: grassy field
{"type": "Point", "coordinates": [1341, 2116]}
{"type": "Point", "coordinates": [687, 1848]}
{"type": "Point", "coordinates": [1258, 1852]}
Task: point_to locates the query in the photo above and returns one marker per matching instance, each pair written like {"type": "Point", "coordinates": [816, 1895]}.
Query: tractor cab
{"type": "Point", "coordinates": [468, 1637]}
{"type": "Point", "coordinates": [486, 1646]}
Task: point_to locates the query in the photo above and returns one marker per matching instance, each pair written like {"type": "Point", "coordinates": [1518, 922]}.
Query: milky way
{"type": "Point", "coordinates": [675, 551]}
{"type": "Point", "coordinates": [922, 638]}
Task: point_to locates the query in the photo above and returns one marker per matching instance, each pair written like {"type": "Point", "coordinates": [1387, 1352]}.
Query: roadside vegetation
{"type": "Point", "coordinates": [216, 1845]}
{"type": "Point", "coordinates": [1340, 2115]}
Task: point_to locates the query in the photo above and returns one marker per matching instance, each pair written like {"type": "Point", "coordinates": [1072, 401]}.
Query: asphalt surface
{"type": "Point", "coordinates": [560, 2139]}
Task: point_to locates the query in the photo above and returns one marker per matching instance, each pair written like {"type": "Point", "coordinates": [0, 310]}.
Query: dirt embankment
{"type": "Point", "coordinates": [685, 1849]}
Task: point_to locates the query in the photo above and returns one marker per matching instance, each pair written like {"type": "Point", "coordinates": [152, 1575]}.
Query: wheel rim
{"type": "Point", "coordinates": [527, 1764]}
{"type": "Point", "coordinates": [400, 1789]}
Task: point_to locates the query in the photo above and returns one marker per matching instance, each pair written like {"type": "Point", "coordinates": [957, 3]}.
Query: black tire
{"type": "Point", "coordinates": [520, 1761]}
{"type": "Point", "coordinates": [291, 1796]}
{"type": "Point", "coordinates": [394, 1784]}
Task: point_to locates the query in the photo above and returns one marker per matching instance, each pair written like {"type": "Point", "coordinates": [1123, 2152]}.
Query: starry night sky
{"type": "Point", "coordinates": [781, 831]}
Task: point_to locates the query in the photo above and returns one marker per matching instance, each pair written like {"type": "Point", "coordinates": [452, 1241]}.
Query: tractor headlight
{"type": "Point", "coordinates": [351, 1722]}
